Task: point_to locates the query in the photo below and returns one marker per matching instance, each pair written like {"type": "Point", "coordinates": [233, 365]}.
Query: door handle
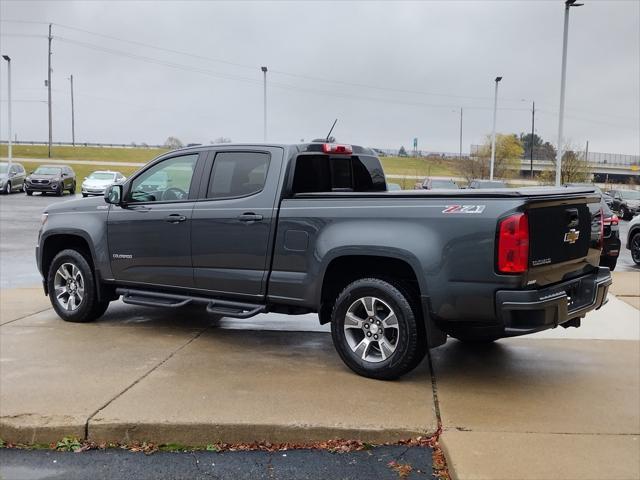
{"type": "Point", "coordinates": [249, 217]}
{"type": "Point", "coordinates": [175, 218]}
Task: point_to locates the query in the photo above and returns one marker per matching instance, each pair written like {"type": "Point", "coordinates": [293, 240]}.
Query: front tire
{"type": "Point", "coordinates": [27, 191]}
{"type": "Point", "coordinates": [72, 289]}
{"type": "Point", "coordinates": [7, 188]}
{"type": "Point", "coordinates": [60, 190]}
{"type": "Point", "coordinates": [72, 190]}
{"type": "Point", "coordinates": [634, 246]}
{"type": "Point", "coordinates": [376, 330]}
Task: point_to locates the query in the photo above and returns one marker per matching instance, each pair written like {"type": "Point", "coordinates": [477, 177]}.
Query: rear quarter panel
{"type": "Point", "coordinates": [452, 254]}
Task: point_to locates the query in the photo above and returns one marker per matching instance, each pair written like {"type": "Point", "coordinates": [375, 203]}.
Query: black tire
{"type": "Point", "coordinates": [634, 246]}
{"type": "Point", "coordinates": [72, 190]}
{"type": "Point", "coordinates": [27, 191]}
{"type": "Point", "coordinates": [7, 188]}
{"type": "Point", "coordinates": [60, 190]}
{"type": "Point", "coordinates": [609, 262]}
{"type": "Point", "coordinates": [410, 341]}
{"type": "Point", "coordinates": [84, 195]}
{"type": "Point", "coordinates": [89, 307]}
{"type": "Point", "coordinates": [624, 213]}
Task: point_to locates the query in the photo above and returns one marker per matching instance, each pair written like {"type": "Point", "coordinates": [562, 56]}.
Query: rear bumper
{"type": "Point", "coordinates": [528, 311]}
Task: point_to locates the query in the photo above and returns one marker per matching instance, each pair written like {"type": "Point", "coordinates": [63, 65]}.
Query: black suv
{"type": "Point", "coordinates": [51, 179]}
{"type": "Point", "coordinates": [625, 202]}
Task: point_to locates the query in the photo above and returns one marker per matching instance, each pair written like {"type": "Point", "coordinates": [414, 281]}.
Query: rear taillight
{"type": "Point", "coordinates": [513, 244]}
{"type": "Point", "coordinates": [601, 239]}
{"type": "Point", "coordinates": [613, 220]}
{"type": "Point", "coordinates": [335, 148]}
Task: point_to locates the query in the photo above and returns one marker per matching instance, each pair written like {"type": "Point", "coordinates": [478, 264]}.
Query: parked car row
{"type": "Point", "coordinates": [448, 184]}
{"type": "Point", "coordinates": [54, 179]}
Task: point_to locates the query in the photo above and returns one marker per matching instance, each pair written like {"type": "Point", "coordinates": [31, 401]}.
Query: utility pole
{"type": "Point", "coordinates": [533, 136]}
{"type": "Point", "coordinates": [49, 92]}
{"type": "Point", "coordinates": [264, 72]}
{"type": "Point", "coordinates": [493, 135]}
{"type": "Point", "coordinates": [10, 155]}
{"type": "Point", "coordinates": [73, 122]}
{"type": "Point", "coordinates": [586, 152]}
{"type": "Point", "coordinates": [563, 79]}
{"type": "Point", "coordinates": [460, 154]}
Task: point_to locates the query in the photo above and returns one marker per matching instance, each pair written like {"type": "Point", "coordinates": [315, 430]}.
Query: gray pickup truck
{"type": "Point", "coordinates": [247, 229]}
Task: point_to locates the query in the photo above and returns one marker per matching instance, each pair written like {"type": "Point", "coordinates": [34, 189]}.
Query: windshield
{"type": "Point", "coordinates": [443, 184]}
{"type": "Point", "coordinates": [490, 185]}
{"type": "Point", "coordinates": [4, 167]}
{"type": "Point", "coordinates": [47, 171]}
{"type": "Point", "coordinates": [630, 194]}
{"type": "Point", "coordinates": [102, 176]}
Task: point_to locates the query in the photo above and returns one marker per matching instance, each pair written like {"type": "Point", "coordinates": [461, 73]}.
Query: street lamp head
{"type": "Point", "coordinates": [498, 79]}
{"type": "Point", "coordinates": [6, 57]}
{"type": "Point", "coordinates": [572, 3]}
{"type": "Point", "coordinates": [264, 69]}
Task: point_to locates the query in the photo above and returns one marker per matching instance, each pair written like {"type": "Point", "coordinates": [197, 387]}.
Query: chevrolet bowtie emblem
{"type": "Point", "coordinates": [571, 236]}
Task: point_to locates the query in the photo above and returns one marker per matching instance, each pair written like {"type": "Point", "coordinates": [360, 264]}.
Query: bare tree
{"type": "Point", "coordinates": [173, 143]}
{"type": "Point", "coordinates": [574, 168]}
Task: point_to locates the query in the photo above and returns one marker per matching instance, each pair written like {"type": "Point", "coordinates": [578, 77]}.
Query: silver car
{"type": "Point", "coordinates": [97, 182]}
{"type": "Point", "coordinates": [633, 239]}
{"type": "Point", "coordinates": [11, 178]}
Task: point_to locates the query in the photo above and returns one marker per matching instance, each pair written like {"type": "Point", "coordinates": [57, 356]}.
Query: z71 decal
{"type": "Point", "coordinates": [464, 209]}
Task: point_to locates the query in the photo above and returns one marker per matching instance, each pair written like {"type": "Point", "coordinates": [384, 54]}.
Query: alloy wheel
{"type": "Point", "coordinates": [371, 329]}
{"type": "Point", "coordinates": [69, 287]}
{"type": "Point", "coordinates": [635, 248]}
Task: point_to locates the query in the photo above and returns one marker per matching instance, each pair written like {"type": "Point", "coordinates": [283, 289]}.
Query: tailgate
{"type": "Point", "coordinates": [564, 237]}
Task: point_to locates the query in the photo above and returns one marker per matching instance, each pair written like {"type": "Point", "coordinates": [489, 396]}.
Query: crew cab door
{"type": "Point", "coordinates": [150, 237]}
{"type": "Point", "coordinates": [234, 223]}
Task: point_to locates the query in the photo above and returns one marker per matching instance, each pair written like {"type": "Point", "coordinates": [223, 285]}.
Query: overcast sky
{"type": "Point", "coordinates": [389, 71]}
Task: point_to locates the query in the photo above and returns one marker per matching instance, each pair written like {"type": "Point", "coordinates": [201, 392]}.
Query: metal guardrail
{"type": "Point", "coordinates": [84, 144]}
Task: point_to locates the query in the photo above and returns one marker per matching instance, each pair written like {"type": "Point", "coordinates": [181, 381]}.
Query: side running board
{"type": "Point", "coordinates": [228, 308]}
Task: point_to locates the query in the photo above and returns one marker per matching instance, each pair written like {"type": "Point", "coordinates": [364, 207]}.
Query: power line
{"type": "Point", "coordinates": [281, 72]}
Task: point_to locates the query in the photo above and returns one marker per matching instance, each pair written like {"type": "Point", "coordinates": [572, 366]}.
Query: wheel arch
{"type": "Point", "coordinates": [55, 242]}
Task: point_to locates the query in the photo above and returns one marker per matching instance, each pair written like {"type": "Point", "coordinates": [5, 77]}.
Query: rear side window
{"type": "Point", "coordinates": [322, 173]}
{"type": "Point", "coordinates": [238, 174]}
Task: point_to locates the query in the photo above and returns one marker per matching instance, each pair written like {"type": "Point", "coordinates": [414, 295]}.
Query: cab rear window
{"type": "Point", "coordinates": [323, 173]}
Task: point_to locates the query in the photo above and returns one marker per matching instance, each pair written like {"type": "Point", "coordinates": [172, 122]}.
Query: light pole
{"type": "Point", "coordinates": [460, 150]}
{"type": "Point", "coordinates": [73, 120]}
{"type": "Point", "coordinates": [264, 72]}
{"type": "Point", "coordinates": [493, 135]}
{"type": "Point", "coordinates": [563, 78]}
{"type": "Point", "coordinates": [8, 59]}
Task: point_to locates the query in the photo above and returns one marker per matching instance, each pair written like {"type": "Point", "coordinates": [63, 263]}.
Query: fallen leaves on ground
{"type": "Point", "coordinates": [402, 469]}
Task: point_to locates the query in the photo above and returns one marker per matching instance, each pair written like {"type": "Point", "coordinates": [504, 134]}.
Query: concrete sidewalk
{"type": "Point", "coordinates": [561, 404]}
{"type": "Point", "coordinates": [178, 377]}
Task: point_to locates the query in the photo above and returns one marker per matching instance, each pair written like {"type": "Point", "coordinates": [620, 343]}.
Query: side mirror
{"type": "Point", "coordinates": [114, 195]}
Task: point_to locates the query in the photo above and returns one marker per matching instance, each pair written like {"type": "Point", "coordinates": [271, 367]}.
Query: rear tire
{"type": "Point", "coordinates": [609, 262]}
{"type": "Point", "coordinates": [72, 289]}
{"type": "Point", "coordinates": [624, 213]}
{"type": "Point", "coordinates": [376, 330]}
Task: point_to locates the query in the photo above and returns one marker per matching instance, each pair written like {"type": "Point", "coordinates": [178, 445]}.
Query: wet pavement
{"type": "Point", "coordinates": [293, 464]}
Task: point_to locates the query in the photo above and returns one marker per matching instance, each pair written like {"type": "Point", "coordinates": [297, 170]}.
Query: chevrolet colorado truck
{"type": "Point", "coordinates": [248, 229]}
